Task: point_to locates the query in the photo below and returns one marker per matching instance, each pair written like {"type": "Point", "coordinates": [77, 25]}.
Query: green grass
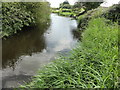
{"type": "Point", "coordinates": [92, 64]}
{"type": "Point", "coordinates": [65, 13]}
{"type": "Point", "coordinates": [55, 11]}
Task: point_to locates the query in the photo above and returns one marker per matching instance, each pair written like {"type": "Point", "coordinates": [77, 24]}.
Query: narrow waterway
{"type": "Point", "coordinates": [25, 53]}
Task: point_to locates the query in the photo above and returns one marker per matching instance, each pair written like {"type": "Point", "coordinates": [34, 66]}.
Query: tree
{"type": "Point", "coordinates": [77, 5]}
{"type": "Point", "coordinates": [89, 5]}
{"type": "Point", "coordinates": [66, 2]}
{"type": "Point", "coordinates": [65, 5]}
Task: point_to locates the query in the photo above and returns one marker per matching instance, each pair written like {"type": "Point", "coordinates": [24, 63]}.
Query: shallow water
{"type": "Point", "coordinates": [24, 53]}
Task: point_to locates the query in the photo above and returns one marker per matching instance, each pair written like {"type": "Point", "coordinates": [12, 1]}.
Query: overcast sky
{"type": "Point", "coordinates": [55, 3]}
{"type": "Point", "coordinates": [110, 3]}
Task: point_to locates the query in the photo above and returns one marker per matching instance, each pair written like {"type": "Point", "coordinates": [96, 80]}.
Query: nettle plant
{"type": "Point", "coordinates": [15, 16]}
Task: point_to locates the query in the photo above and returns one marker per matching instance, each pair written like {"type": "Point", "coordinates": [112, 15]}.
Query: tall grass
{"type": "Point", "coordinates": [92, 64]}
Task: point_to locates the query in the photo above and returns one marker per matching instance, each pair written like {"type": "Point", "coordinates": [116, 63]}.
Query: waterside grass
{"type": "Point", "coordinates": [92, 64]}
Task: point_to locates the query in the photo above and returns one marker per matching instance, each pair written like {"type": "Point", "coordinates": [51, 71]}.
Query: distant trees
{"type": "Point", "coordinates": [65, 9]}
{"type": "Point", "coordinates": [77, 5]}
{"type": "Point", "coordinates": [87, 5]}
{"type": "Point", "coordinates": [65, 5]}
{"type": "Point", "coordinates": [77, 9]}
{"type": "Point", "coordinates": [66, 2]}
{"type": "Point", "coordinates": [91, 5]}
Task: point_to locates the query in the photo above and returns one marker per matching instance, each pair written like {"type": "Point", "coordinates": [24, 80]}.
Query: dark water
{"type": "Point", "coordinates": [24, 53]}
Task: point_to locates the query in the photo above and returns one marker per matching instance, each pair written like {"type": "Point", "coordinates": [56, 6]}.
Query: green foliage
{"type": "Point", "coordinates": [65, 4]}
{"type": "Point", "coordinates": [55, 10]}
{"type": "Point", "coordinates": [14, 18]}
{"type": "Point", "coordinates": [111, 13]}
{"type": "Point", "coordinates": [40, 11]}
{"type": "Point", "coordinates": [65, 9]}
{"type": "Point", "coordinates": [84, 19]}
{"type": "Point", "coordinates": [65, 12]}
{"type": "Point", "coordinates": [77, 5]}
{"type": "Point", "coordinates": [69, 10]}
{"type": "Point", "coordinates": [90, 5]}
{"type": "Point", "coordinates": [19, 14]}
{"type": "Point", "coordinates": [93, 64]}
{"type": "Point", "coordinates": [68, 14]}
{"type": "Point", "coordinates": [0, 19]}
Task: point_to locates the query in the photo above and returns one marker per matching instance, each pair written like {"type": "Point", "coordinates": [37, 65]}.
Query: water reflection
{"type": "Point", "coordinates": [25, 43]}
{"type": "Point", "coordinates": [59, 36]}
{"type": "Point", "coordinates": [77, 34]}
{"type": "Point", "coordinates": [24, 53]}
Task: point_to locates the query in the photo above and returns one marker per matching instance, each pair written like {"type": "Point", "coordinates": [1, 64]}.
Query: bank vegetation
{"type": "Point", "coordinates": [94, 63]}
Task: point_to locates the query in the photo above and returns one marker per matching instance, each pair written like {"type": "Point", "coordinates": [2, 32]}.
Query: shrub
{"type": "Point", "coordinates": [19, 14]}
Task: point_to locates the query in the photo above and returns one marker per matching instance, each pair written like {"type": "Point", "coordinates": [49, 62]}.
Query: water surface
{"type": "Point", "coordinates": [24, 53]}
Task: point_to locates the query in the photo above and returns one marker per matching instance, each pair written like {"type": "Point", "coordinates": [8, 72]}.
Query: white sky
{"type": "Point", "coordinates": [109, 3]}
{"type": "Point", "coordinates": [55, 3]}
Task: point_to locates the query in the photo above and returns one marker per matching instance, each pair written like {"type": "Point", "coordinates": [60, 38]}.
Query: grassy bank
{"type": "Point", "coordinates": [68, 12]}
{"type": "Point", "coordinates": [111, 13]}
{"type": "Point", "coordinates": [92, 64]}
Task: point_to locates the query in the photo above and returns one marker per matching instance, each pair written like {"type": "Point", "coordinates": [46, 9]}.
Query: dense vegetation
{"type": "Point", "coordinates": [111, 13]}
{"type": "Point", "coordinates": [0, 17]}
{"type": "Point", "coordinates": [66, 9]}
{"type": "Point", "coordinates": [89, 5]}
{"type": "Point", "coordinates": [75, 10]}
{"type": "Point", "coordinates": [93, 64]}
{"type": "Point", "coordinates": [19, 14]}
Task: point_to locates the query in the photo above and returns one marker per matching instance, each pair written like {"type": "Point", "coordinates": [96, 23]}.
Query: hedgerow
{"type": "Point", "coordinates": [16, 15]}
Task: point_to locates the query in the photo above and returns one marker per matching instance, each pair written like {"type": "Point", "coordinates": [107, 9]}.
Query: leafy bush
{"type": "Point", "coordinates": [55, 11]}
{"type": "Point", "coordinates": [14, 18]}
{"type": "Point", "coordinates": [90, 5]}
{"type": "Point", "coordinates": [66, 10]}
{"type": "Point", "coordinates": [84, 19]}
{"type": "Point", "coordinates": [19, 14]}
{"type": "Point", "coordinates": [111, 13]}
{"type": "Point", "coordinates": [65, 14]}
{"type": "Point", "coordinates": [93, 64]}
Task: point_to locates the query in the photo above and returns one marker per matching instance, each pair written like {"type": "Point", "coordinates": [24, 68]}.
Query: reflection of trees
{"type": "Point", "coordinates": [15, 78]}
{"type": "Point", "coordinates": [28, 41]}
{"type": "Point", "coordinates": [77, 34]}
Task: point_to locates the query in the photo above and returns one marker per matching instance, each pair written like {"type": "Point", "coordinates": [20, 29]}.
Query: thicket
{"type": "Point", "coordinates": [79, 8]}
{"type": "Point", "coordinates": [65, 9]}
{"type": "Point", "coordinates": [90, 5]}
{"type": "Point", "coordinates": [111, 13]}
{"type": "Point", "coordinates": [93, 63]}
{"type": "Point", "coordinates": [16, 15]}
